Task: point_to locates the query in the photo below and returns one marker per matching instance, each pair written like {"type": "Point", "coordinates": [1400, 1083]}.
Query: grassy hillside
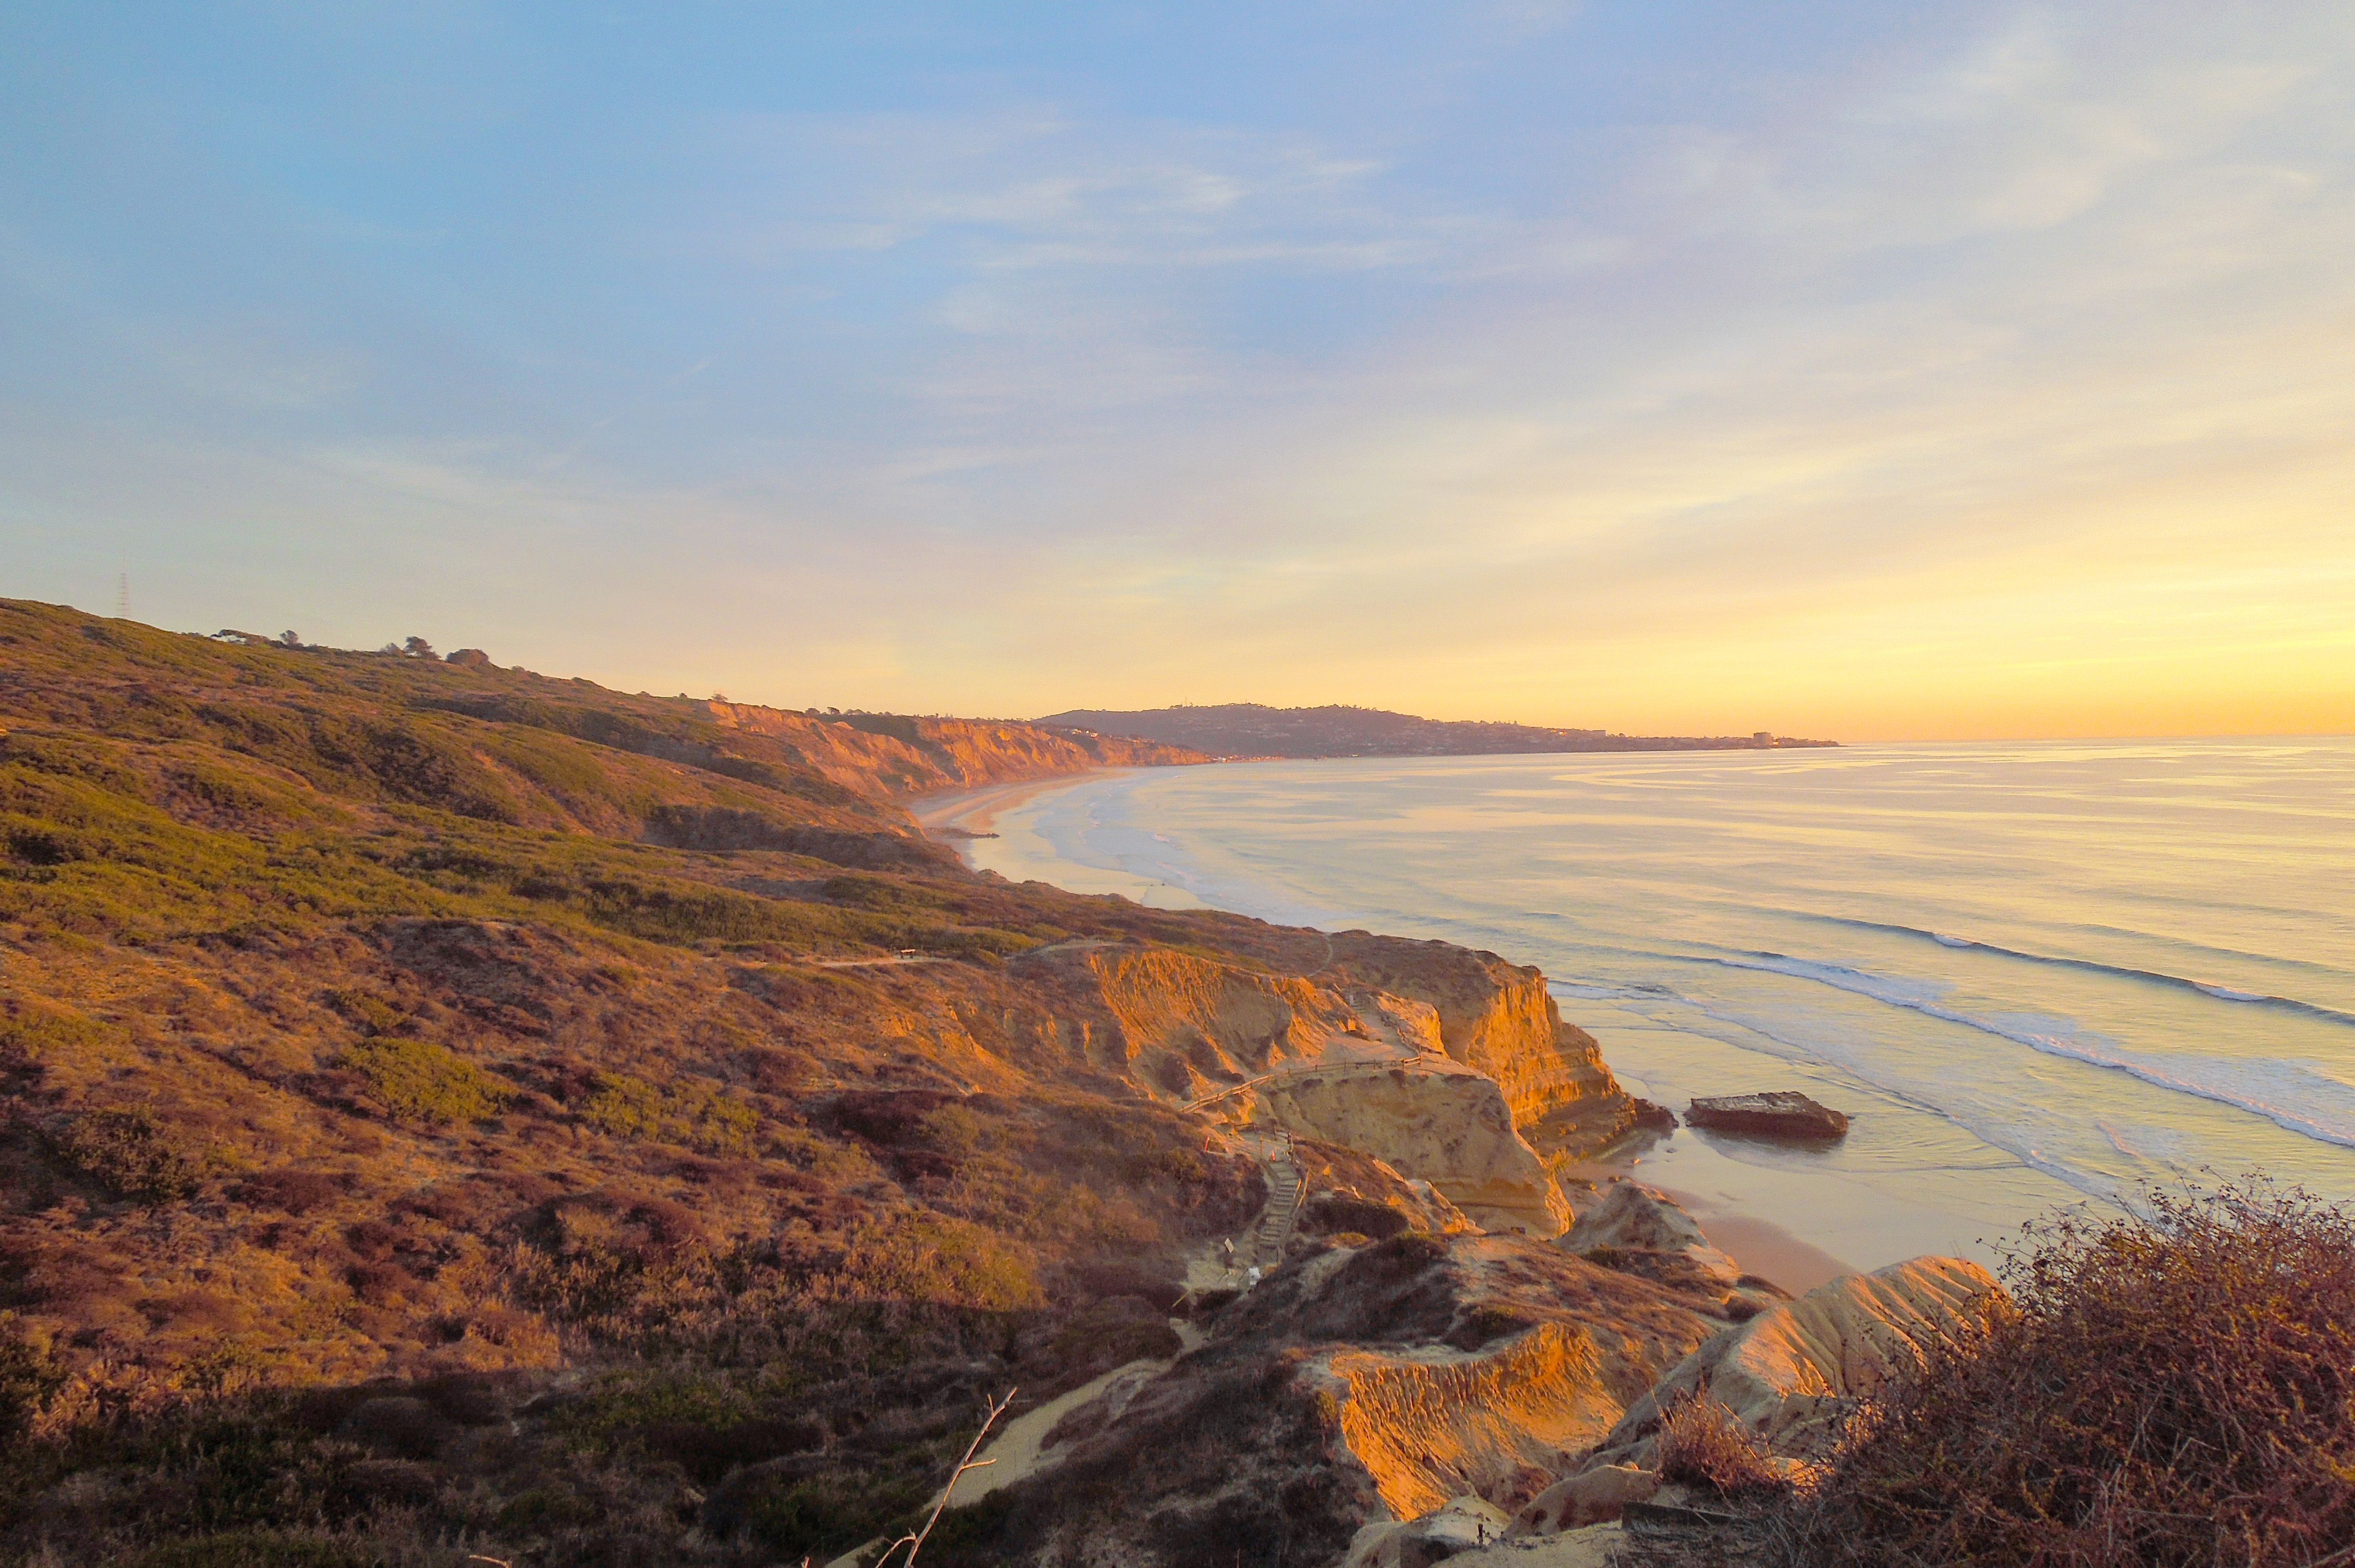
{"type": "Point", "coordinates": [449, 1110]}
{"type": "Point", "coordinates": [385, 1043]}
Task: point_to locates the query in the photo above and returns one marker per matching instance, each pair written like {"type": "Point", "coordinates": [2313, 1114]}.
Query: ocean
{"type": "Point", "coordinates": [2034, 974]}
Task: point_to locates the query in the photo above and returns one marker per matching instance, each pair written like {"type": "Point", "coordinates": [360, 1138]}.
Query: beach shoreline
{"type": "Point", "coordinates": [1744, 1208]}
{"type": "Point", "coordinates": [956, 817]}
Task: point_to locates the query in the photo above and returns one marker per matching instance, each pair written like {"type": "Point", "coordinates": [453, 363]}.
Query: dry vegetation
{"type": "Point", "coordinates": [1704, 1443]}
{"type": "Point", "coordinates": [2172, 1390]}
{"type": "Point", "coordinates": [426, 1126]}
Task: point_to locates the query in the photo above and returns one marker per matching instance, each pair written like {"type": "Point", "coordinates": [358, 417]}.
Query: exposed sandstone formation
{"type": "Point", "coordinates": [895, 754]}
{"type": "Point", "coordinates": [1637, 1228]}
{"type": "Point", "coordinates": [1593, 1496]}
{"type": "Point", "coordinates": [1462, 1524]}
{"type": "Point", "coordinates": [1433, 1118]}
{"type": "Point", "coordinates": [1497, 1019]}
{"type": "Point", "coordinates": [1356, 1066]}
{"type": "Point", "coordinates": [1191, 1025]}
{"type": "Point", "coordinates": [1779, 1114]}
{"type": "Point", "coordinates": [1358, 1386]}
{"type": "Point", "coordinates": [1346, 1193]}
{"type": "Point", "coordinates": [1431, 1420]}
{"type": "Point", "coordinates": [1795, 1372]}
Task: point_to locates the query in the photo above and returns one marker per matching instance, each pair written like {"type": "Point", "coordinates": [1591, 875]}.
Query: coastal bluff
{"type": "Point", "coordinates": [482, 1099]}
{"type": "Point", "coordinates": [1446, 1064]}
{"type": "Point", "coordinates": [901, 755]}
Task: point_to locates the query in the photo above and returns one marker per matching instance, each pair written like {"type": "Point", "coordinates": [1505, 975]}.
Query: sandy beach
{"type": "Point", "coordinates": [951, 815]}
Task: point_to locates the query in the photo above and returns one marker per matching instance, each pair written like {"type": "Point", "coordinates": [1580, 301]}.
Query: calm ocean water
{"type": "Point", "coordinates": [2035, 974]}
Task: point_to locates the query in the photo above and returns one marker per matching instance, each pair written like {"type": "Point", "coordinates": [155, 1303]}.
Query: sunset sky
{"type": "Point", "coordinates": [1862, 370]}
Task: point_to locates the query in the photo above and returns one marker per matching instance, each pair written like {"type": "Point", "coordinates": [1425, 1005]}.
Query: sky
{"type": "Point", "coordinates": [1860, 370]}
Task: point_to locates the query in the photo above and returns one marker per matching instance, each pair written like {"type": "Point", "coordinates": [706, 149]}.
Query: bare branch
{"type": "Point", "coordinates": [915, 1543]}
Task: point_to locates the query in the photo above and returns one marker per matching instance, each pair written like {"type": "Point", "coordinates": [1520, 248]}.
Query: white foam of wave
{"type": "Point", "coordinates": [2295, 1095]}
{"type": "Point", "coordinates": [2025, 1131]}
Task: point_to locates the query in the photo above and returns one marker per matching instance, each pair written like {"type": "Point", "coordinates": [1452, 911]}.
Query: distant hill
{"type": "Point", "coordinates": [1253, 730]}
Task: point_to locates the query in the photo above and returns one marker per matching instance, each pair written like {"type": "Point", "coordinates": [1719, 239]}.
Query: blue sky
{"type": "Point", "coordinates": [1863, 370]}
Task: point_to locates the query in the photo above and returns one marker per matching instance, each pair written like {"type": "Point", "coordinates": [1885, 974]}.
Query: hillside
{"type": "Point", "coordinates": [446, 1109]}
{"type": "Point", "coordinates": [1250, 729]}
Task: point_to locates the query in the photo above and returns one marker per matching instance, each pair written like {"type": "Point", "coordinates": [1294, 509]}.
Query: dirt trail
{"type": "Point", "coordinates": [1019, 1450]}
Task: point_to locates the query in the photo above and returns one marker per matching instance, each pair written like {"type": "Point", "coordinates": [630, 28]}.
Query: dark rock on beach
{"type": "Point", "coordinates": [1780, 1114]}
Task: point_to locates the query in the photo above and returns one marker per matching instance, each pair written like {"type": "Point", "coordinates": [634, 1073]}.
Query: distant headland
{"type": "Point", "coordinates": [1253, 730]}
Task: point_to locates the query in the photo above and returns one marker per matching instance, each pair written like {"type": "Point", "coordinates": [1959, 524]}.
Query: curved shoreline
{"type": "Point", "coordinates": [1739, 1225]}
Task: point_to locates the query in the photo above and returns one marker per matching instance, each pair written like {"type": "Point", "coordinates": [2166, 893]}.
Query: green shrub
{"type": "Point", "coordinates": [32, 1031]}
{"type": "Point", "coordinates": [425, 1082]}
{"type": "Point", "coordinates": [825, 1515]}
{"type": "Point", "coordinates": [627, 1399]}
{"type": "Point", "coordinates": [919, 1257]}
{"type": "Point", "coordinates": [697, 1115]}
{"type": "Point", "coordinates": [29, 1376]}
{"type": "Point", "coordinates": [370, 1012]}
{"type": "Point", "coordinates": [133, 1154]}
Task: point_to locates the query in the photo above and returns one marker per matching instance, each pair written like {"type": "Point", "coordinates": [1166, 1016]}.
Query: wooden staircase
{"type": "Point", "coordinates": [1283, 1181]}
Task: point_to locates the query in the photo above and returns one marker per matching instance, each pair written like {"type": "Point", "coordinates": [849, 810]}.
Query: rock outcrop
{"type": "Point", "coordinates": [1191, 1026]}
{"type": "Point", "coordinates": [895, 754]}
{"type": "Point", "coordinates": [1795, 1372]}
{"type": "Point", "coordinates": [1460, 1525]}
{"type": "Point", "coordinates": [1646, 1231]}
{"type": "Point", "coordinates": [1432, 1119]}
{"type": "Point", "coordinates": [1345, 1194]}
{"type": "Point", "coordinates": [1593, 1496]}
{"type": "Point", "coordinates": [1361, 1067]}
{"type": "Point", "coordinates": [1358, 1386]}
{"type": "Point", "coordinates": [1778, 1114]}
{"type": "Point", "coordinates": [1497, 1018]}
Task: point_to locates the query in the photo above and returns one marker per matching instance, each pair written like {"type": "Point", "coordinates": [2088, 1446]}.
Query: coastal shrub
{"type": "Point", "coordinates": [29, 1378]}
{"type": "Point", "coordinates": [2176, 1387]}
{"type": "Point", "coordinates": [1704, 1443]}
{"type": "Point", "coordinates": [131, 1154]}
{"type": "Point", "coordinates": [32, 1031]}
{"type": "Point", "coordinates": [624, 1399]}
{"type": "Point", "coordinates": [698, 1115]}
{"type": "Point", "coordinates": [261, 1549]}
{"type": "Point", "coordinates": [423, 1083]}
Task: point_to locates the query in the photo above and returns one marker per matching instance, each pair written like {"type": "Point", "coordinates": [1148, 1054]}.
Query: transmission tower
{"type": "Point", "coordinates": [122, 596]}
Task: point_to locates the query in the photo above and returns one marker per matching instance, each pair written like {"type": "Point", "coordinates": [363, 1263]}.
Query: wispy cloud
{"type": "Point", "coordinates": [1587, 366]}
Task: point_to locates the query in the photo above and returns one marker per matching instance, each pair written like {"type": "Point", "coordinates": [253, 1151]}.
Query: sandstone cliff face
{"type": "Point", "coordinates": [1432, 1119]}
{"type": "Point", "coordinates": [1431, 1424]}
{"type": "Point", "coordinates": [894, 754]}
{"type": "Point", "coordinates": [1795, 1372]}
{"type": "Point", "coordinates": [1361, 1070]}
{"type": "Point", "coordinates": [1359, 1385]}
{"type": "Point", "coordinates": [1497, 1018]}
{"type": "Point", "coordinates": [1192, 1023]}
{"type": "Point", "coordinates": [1646, 1231]}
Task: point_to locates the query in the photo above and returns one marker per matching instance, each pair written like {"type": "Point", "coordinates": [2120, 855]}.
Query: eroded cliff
{"type": "Point", "coordinates": [898, 753]}
{"type": "Point", "coordinates": [1498, 1019]}
{"type": "Point", "coordinates": [1345, 1063]}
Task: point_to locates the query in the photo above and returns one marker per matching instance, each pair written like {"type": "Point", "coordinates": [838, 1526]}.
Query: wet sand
{"type": "Point", "coordinates": [1769, 1252]}
{"type": "Point", "coordinates": [1020, 852]}
{"type": "Point", "coordinates": [974, 811]}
